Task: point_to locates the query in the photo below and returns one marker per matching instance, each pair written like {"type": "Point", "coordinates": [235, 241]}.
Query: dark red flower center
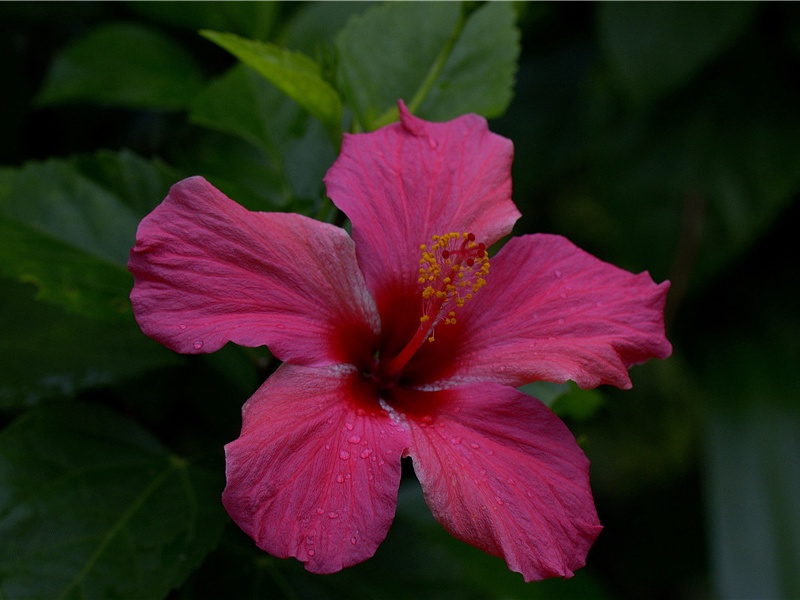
{"type": "Point", "coordinates": [451, 271]}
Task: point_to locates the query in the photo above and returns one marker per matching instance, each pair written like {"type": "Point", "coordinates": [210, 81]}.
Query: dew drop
{"type": "Point", "coordinates": [361, 412]}
{"type": "Point", "coordinates": [499, 500]}
{"type": "Point", "coordinates": [366, 452]}
{"type": "Point", "coordinates": [327, 446]}
{"type": "Point", "coordinates": [354, 439]}
{"type": "Point", "coordinates": [353, 541]}
{"type": "Point", "coordinates": [348, 426]}
{"type": "Point", "coordinates": [183, 327]}
{"type": "Point", "coordinates": [311, 552]}
{"type": "Point", "coordinates": [339, 479]}
{"type": "Point", "coordinates": [456, 440]}
{"type": "Point", "coordinates": [563, 295]}
{"type": "Point", "coordinates": [344, 455]}
{"type": "Point", "coordinates": [427, 419]}
{"type": "Point", "coordinates": [474, 445]}
{"type": "Point", "coordinates": [511, 481]}
{"type": "Point", "coordinates": [198, 344]}
{"type": "Point", "coordinates": [333, 515]}
{"type": "Point", "coordinates": [558, 273]}
{"type": "Point", "coordinates": [432, 143]}
{"type": "Point", "coordinates": [320, 511]}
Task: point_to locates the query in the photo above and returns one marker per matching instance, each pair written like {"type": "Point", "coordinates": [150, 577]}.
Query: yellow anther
{"type": "Point", "coordinates": [452, 269]}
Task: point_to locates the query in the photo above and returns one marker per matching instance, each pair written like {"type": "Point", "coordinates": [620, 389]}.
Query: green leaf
{"type": "Point", "coordinates": [294, 73]}
{"type": "Point", "coordinates": [91, 506]}
{"type": "Point", "coordinates": [478, 77]}
{"type": "Point", "coordinates": [122, 64]}
{"type": "Point", "coordinates": [312, 27]}
{"type": "Point", "coordinates": [68, 236]}
{"type": "Point", "coordinates": [250, 19]}
{"type": "Point", "coordinates": [687, 187]}
{"type": "Point", "coordinates": [47, 353]}
{"type": "Point", "coordinates": [139, 183]}
{"type": "Point", "coordinates": [753, 478]}
{"type": "Point", "coordinates": [657, 47]}
{"type": "Point", "coordinates": [440, 60]}
{"type": "Point", "coordinates": [296, 150]}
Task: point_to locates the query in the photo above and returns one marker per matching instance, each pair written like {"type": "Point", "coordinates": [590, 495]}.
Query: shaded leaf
{"type": "Point", "coordinates": [753, 479]}
{"type": "Point", "coordinates": [68, 236]}
{"type": "Point", "coordinates": [250, 19]}
{"type": "Point", "coordinates": [296, 150]}
{"type": "Point", "coordinates": [91, 506]}
{"type": "Point", "coordinates": [122, 64]}
{"type": "Point", "coordinates": [469, 65]}
{"type": "Point", "coordinates": [294, 73]}
{"type": "Point", "coordinates": [47, 353]}
{"type": "Point", "coordinates": [657, 47]}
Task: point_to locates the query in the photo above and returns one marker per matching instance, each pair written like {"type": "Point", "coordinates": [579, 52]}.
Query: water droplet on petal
{"type": "Point", "coordinates": [183, 327]}
{"type": "Point", "coordinates": [511, 481]}
{"type": "Point", "coordinates": [456, 440]}
{"type": "Point", "coordinates": [353, 541]}
{"type": "Point", "coordinates": [348, 426]}
{"type": "Point", "coordinates": [333, 515]}
{"type": "Point", "coordinates": [198, 344]}
{"type": "Point", "coordinates": [344, 455]}
{"type": "Point", "coordinates": [339, 479]}
{"type": "Point", "coordinates": [499, 500]}
{"type": "Point", "coordinates": [354, 439]}
{"type": "Point", "coordinates": [558, 273]}
{"type": "Point", "coordinates": [563, 295]}
{"type": "Point", "coordinates": [320, 511]}
{"type": "Point", "coordinates": [311, 552]}
{"type": "Point", "coordinates": [474, 446]}
{"type": "Point", "coordinates": [366, 452]}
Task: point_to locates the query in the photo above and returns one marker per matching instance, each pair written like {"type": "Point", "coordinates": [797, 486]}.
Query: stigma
{"type": "Point", "coordinates": [451, 271]}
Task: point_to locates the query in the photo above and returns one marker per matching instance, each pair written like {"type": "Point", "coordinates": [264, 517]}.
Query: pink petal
{"type": "Point", "coordinates": [503, 473]}
{"type": "Point", "coordinates": [207, 271]}
{"type": "Point", "coordinates": [552, 312]}
{"type": "Point", "coordinates": [315, 472]}
{"type": "Point", "coordinates": [404, 183]}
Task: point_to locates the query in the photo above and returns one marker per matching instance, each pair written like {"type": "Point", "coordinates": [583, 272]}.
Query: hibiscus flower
{"type": "Point", "coordinates": [400, 341]}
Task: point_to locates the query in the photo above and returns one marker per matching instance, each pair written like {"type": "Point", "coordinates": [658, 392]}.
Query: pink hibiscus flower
{"type": "Point", "coordinates": [400, 342]}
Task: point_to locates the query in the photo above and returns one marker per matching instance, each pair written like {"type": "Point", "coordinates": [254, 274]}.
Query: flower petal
{"type": "Point", "coordinates": [315, 472]}
{"type": "Point", "coordinates": [208, 271]}
{"type": "Point", "coordinates": [407, 181]}
{"type": "Point", "coordinates": [552, 312]}
{"type": "Point", "coordinates": [503, 473]}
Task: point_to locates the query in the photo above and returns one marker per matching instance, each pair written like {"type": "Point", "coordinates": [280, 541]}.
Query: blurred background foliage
{"type": "Point", "coordinates": [661, 137]}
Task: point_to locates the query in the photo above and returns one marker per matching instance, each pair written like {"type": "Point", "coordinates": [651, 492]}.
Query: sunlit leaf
{"type": "Point", "coordinates": [93, 507]}
{"type": "Point", "coordinates": [122, 64]}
